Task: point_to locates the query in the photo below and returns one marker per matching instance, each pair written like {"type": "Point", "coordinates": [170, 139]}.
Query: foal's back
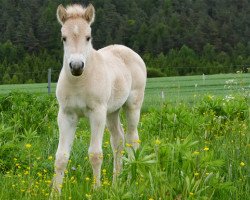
{"type": "Point", "coordinates": [127, 60]}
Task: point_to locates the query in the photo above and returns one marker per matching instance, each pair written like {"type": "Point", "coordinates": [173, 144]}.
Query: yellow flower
{"type": "Point", "coordinates": [50, 157]}
{"type": "Point", "coordinates": [104, 171]}
{"type": "Point", "coordinates": [206, 148]}
{"type": "Point", "coordinates": [106, 182]}
{"type": "Point", "coordinates": [87, 178]}
{"type": "Point", "coordinates": [26, 173]}
{"type": "Point", "coordinates": [128, 145]}
{"type": "Point", "coordinates": [242, 164]}
{"type": "Point", "coordinates": [196, 174]}
{"type": "Point", "coordinates": [196, 152]}
{"type": "Point", "coordinates": [27, 146]}
{"type": "Point", "coordinates": [157, 142]}
{"type": "Point", "coordinates": [150, 198]}
{"type": "Point", "coordinates": [138, 141]}
{"type": "Point", "coordinates": [191, 193]}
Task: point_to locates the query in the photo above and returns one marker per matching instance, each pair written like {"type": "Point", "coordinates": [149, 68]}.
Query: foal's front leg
{"type": "Point", "coordinates": [97, 119]}
{"type": "Point", "coordinates": [67, 126]}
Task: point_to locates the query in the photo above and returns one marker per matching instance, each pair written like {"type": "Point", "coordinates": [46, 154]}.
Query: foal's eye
{"type": "Point", "coordinates": [88, 38]}
{"type": "Point", "coordinates": [64, 39]}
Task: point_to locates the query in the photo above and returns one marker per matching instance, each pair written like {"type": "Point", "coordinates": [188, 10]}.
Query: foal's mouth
{"type": "Point", "coordinates": [77, 72]}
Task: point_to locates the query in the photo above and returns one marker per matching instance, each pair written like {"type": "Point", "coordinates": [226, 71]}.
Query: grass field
{"type": "Point", "coordinates": [172, 89]}
{"type": "Point", "coordinates": [194, 144]}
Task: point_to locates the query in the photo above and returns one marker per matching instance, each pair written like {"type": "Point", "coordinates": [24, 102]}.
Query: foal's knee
{"type": "Point", "coordinates": [95, 159]}
{"type": "Point", "coordinates": [61, 161]}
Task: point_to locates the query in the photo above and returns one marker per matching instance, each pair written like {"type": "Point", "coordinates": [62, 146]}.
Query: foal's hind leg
{"type": "Point", "coordinates": [132, 109]}
{"type": "Point", "coordinates": [117, 141]}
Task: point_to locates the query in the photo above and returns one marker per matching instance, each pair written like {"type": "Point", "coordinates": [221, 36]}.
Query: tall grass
{"type": "Point", "coordinates": [188, 151]}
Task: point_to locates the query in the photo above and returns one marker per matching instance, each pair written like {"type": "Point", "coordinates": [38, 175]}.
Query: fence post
{"type": "Point", "coordinates": [49, 80]}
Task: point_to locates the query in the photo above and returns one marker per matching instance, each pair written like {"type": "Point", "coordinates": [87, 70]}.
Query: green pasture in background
{"type": "Point", "coordinates": [172, 89]}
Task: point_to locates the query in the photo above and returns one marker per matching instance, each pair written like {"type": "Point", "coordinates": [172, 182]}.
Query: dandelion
{"type": "Point", "coordinates": [157, 142]}
{"type": "Point", "coordinates": [242, 164]}
{"type": "Point", "coordinates": [87, 179]}
{"type": "Point", "coordinates": [196, 174]}
{"type": "Point", "coordinates": [128, 145]}
{"type": "Point", "coordinates": [39, 174]}
{"type": "Point", "coordinates": [106, 182]}
{"type": "Point", "coordinates": [50, 157]}
{"type": "Point", "coordinates": [206, 148]}
{"type": "Point", "coordinates": [27, 146]}
{"type": "Point", "coordinates": [138, 141]}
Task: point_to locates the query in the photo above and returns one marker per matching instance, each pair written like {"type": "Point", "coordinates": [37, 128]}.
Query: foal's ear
{"type": "Point", "coordinates": [61, 14]}
{"type": "Point", "coordinates": [89, 14]}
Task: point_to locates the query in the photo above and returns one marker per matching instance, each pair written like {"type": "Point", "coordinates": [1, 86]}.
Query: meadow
{"type": "Point", "coordinates": [194, 143]}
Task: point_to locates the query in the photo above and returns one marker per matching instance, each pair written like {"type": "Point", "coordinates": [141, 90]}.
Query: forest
{"type": "Point", "coordinates": [174, 37]}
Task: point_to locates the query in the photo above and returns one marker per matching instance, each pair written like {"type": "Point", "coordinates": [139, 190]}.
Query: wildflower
{"type": "Point", "coordinates": [39, 174]}
{"type": "Point", "coordinates": [206, 148]}
{"type": "Point", "coordinates": [242, 164]}
{"type": "Point", "coordinates": [128, 145]}
{"type": "Point", "coordinates": [138, 141]}
{"type": "Point", "coordinates": [104, 171]}
{"type": "Point", "coordinates": [196, 152]}
{"type": "Point", "coordinates": [27, 146]}
{"type": "Point", "coordinates": [50, 157]}
{"type": "Point", "coordinates": [196, 174]}
{"type": "Point", "coordinates": [48, 182]}
{"type": "Point", "coordinates": [157, 142]}
{"type": "Point", "coordinates": [87, 178]}
{"type": "Point", "coordinates": [106, 182]}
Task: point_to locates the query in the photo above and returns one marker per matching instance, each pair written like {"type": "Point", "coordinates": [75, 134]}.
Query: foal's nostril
{"type": "Point", "coordinates": [70, 65]}
{"type": "Point", "coordinates": [82, 66]}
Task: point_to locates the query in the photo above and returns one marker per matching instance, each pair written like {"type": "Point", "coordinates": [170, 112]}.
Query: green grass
{"type": "Point", "coordinates": [175, 89]}
{"type": "Point", "coordinates": [195, 144]}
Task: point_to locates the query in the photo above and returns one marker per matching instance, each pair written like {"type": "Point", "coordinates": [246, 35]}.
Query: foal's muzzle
{"type": "Point", "coordinates": [76, 68]}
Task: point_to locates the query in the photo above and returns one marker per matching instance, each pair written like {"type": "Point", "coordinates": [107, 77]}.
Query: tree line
{"type": "Point", "coordinates": [174, 37]}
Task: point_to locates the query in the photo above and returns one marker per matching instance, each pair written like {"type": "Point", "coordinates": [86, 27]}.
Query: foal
{"type": "Point", "coordinates": [95, 84]}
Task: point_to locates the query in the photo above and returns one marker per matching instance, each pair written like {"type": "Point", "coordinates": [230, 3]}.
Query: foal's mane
{"type": "Point", "coordinates": [75, 11]}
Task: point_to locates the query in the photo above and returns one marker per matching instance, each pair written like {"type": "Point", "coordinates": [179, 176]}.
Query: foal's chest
{"type": "Point", "coordinates": [73, 104]}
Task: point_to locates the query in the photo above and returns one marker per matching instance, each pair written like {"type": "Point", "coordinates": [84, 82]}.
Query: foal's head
{"type": "Point", "coordinates": [76, 35]}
